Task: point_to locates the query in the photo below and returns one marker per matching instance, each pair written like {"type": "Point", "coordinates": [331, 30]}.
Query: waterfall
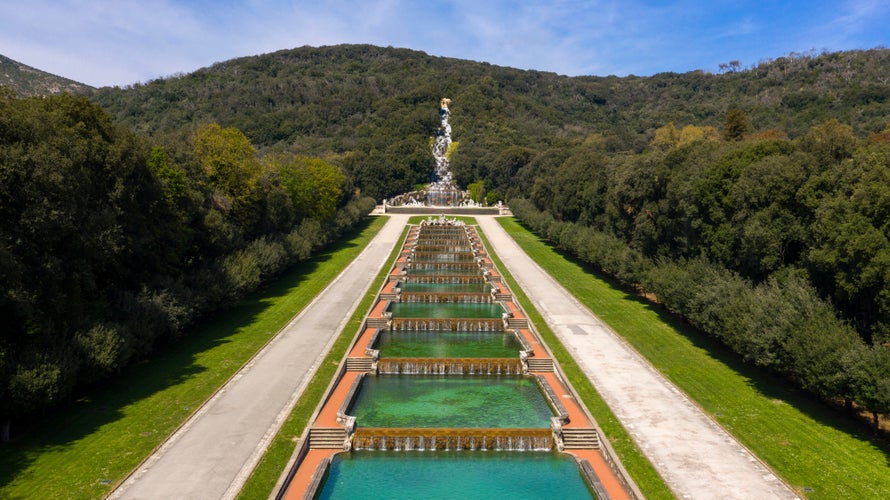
{"type": "Point", "coordinates": [450, 366]}
{"type": "Point", "coordinates": [453, 439]}
{"type": "Point", "coordinates": [442, 191]}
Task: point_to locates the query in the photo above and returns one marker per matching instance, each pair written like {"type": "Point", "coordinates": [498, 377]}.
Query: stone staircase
{"type": "Point", "coordinates": [377, 322]}
{"type": "Point", "coordinates": [540, 364]}
{"type": "Point", "coordinates": [580, 438]}
{"type": "Point", "coordinates": [359, 364]}
{"type": "Point", "coordinates": [327, 438]}
{"type": "Point", "coordinates": [516, 323]}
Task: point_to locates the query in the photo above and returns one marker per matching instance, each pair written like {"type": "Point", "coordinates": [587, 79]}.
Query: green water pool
{"type": "Point", "coordinates": [421, 344]}
{"type": "Point", "coordinates": [432, 401]}
{"type": "Point", "coordinates": [453, 475]}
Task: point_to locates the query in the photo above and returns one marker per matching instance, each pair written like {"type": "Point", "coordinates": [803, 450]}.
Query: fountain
{"type": "Point", "coordinates": [442, 193]}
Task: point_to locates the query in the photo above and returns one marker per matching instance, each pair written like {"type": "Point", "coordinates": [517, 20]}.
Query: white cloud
{"type": "Point", "coordinates": [105, 42]}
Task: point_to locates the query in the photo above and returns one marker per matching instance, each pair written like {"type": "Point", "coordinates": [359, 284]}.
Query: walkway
{"type": "Point", "coordinates": [696, 457]}
{"type": "Point", "coordinates": [212, 455]}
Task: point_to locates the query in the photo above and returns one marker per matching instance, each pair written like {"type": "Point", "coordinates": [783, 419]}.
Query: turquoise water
{"type": "Point", "coordinates": [422, 344]}
{"type": "Point", "coordinates": [430, 401]}
{"type": "Point", "coordinates": [453, 475]}
{"type": "Point", "coordinates": [445, 310]}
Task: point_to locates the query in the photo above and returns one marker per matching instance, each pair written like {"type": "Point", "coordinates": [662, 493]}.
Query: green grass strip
{"type": "Point", "coordinates": [636, 464]}
{"type": "Point", "coordinates": [90, 447]}
{"type": "Point", "coordinates": [265, 475]}
{"type": "Point", "coordinates": [811, 446]}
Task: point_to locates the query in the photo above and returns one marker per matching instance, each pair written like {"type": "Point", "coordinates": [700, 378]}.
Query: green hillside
{"type": "Point", "coordinates": [27, 81]}
{"type": "Point", "coordinates": [372, 109]}
{"type": "Point", "coordinates": [730, 198]}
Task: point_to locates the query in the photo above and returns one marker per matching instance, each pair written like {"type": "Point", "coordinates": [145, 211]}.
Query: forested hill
{"type": "Point", "coordinates": [27, 81]}
{"type": "Point", "coordinates": [373, 108]}
{"type": "Point", "coordinates": [754, 202]}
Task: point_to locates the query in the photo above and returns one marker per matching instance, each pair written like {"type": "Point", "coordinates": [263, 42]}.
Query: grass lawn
{"type": "Point", "coordinates": [818, 452]}
{"type": "Point", "coordinates": [89, 447]}
{"type": "Point", "coordinates": [270, 467]}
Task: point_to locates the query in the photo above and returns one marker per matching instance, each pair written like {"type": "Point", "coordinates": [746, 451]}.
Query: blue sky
{"type": "Point", "coordinates": [119, 42]}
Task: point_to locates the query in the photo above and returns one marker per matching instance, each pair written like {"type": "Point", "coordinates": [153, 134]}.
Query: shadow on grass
{"type": "Point", "coordinates": [766, 383]}
{"type": "Point", "coordinates": [170, 366]}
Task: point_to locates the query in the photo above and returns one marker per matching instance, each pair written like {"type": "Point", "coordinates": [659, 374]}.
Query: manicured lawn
{"type": "Point", "coordinates": [636, 464]}
{"type": "Point", "coordinates": [88, 448]}
{"type": "Point", "coordinates": [812, 447]}
{"type": "Point", "coordinates": [274, 461]}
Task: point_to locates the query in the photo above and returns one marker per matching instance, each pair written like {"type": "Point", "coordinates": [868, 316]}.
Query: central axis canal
{"type": "Point", "coordinates": [448, 392]}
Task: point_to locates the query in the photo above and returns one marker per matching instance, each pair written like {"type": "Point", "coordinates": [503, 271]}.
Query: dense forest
{"type": "Point", "coordinates": [752, 202]}
{"type": "Point", "coordinates": [112, 245]}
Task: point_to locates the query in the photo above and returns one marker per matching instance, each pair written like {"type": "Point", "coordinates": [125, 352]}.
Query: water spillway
{"type": "Point", "coordinates": [443, 268]}
{"type": "Point", "coordinates": [478, 287]}
{"type": "Point", "coordinates": [447, 324]}
{"type": "Point", "coordinates": [448, 297]}
{"type": "Point", "coordinates": [471, 277]}
{"type": "Point", "coordinates": [446, 309]}
{"type": "Point", "coordinates": [423, 439]}
{"type": "Point", "coordinates": [450, 366]}
{"type": "Point", "coordinates": [448, 363]}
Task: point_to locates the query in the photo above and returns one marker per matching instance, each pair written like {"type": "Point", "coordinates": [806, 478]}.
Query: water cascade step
{"type": "Point", "coordinates": [452, 439]}
{"type": "Point", "coordinates": [448, 324]}
{"type": "Point", "coordinates": [447, 297]}
{"type": "Point", "coordinates": [444, 267]}
{"type": "Point", "coordinates": [456, 245]}
{"type": "Point", "coordinates": [450, 366]}
{"type": "Point", "coordinates": [442, 279]}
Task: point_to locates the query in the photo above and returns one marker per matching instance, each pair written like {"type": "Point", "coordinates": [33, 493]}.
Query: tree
{"type": "Point", "coordinates": [228, 158]}
{"type": "Point", "coordinates": [692, 133]}
{"type": "Point", "coordinates": [831, 141]}
{"type": "Point", "coordinates": [869, 370]}
{"type": "Point", "coordinates": [315, 186]}
{"type": "Point", "coordinates": [666, 136]}
{"type": "Point", "coordinates": [477, 191]}
{"type": "Point", "coordinates": [735, 125]}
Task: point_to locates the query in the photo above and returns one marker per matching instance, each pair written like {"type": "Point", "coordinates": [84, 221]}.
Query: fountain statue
{"type": "Point", "coordinates": [443, 191]}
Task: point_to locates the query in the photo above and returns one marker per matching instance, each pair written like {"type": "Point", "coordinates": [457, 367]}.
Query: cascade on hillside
{"type": "Point", "coordinates": [442, 191]}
